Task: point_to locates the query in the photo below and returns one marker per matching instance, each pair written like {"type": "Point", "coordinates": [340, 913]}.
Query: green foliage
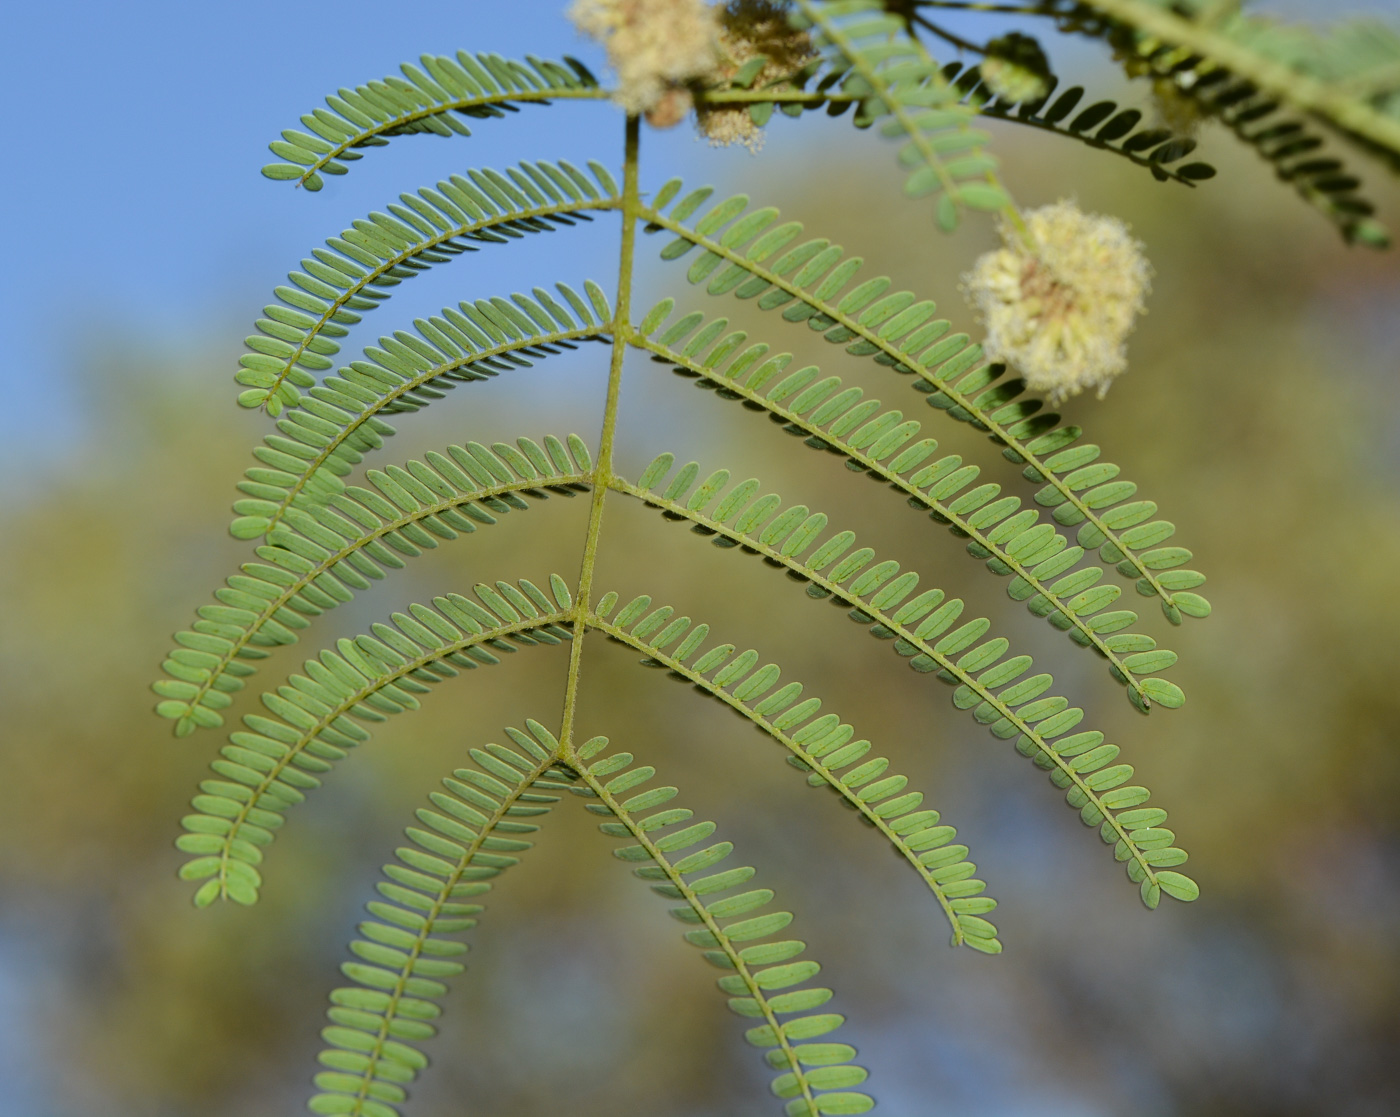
{"type": "Point", "coordinates": [1346, 76]}
{"type": "Point", "coordinates": [885, 447]}
{"type": "Point", "coordinates": [892, 79]}
{"type": "Point", "coordinates": [328, 547]}
{"type": "Point", "coordinates": [316, 718]}
{"type": "Point", "coordinates": [1320, 179]}
{"type": "Point", "coordinates": [922, 629]}
{"type": "Point", "coordinates": [322, 539]}
{"type": "Point", "coordinates": [819, 744]}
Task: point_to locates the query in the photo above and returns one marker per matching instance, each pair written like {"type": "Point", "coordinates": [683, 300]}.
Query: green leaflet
{"type": "Point", "coordinates": [315, 718]}
{"type": "Point", "coordinates": [358, 269]}
{"type": "Point", "coordinates": [806, 284]}
{"type": "Point", "coordinates": [818, 744]}
{"type": "Point", "coordinates": [326, 550]}
{"type": "Point", "coordinates": [434, 890]}
{"type": "Point", "coordinates": [894, 82]}
{"type": "Point", "coordinates": [427, 100]}
{"type": "Point", "coordinates": [1100, 125]}
{"type": "Point", "coordinates": [760, 979]}
{"type": "Point", "coordinates": [924, 634]}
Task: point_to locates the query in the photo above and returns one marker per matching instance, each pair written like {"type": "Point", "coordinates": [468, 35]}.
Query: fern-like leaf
{"type": "Point", "coordinates": [819, 744]}
{"type": "Point", "coordinates": [1010, 539]}
{"type": "Point", "coordinates": [1266, 71]}
{"type": "Point", "coordinates": [426, 101]}
{"type": "Point", "coordinates": [325, 551]}
{"type": "Point", "coordinates": [736, 933]}
{"type": "Point", "coordinates": [321, 539]}
{"type": "Point", "coordinates": [814, 283]}
{"type": "Point", "coordinates": [354, 273]}
{"type": "Point", "coordinates": [985, 680]}
{"type": "Point", "coordinates": [475, 833]}
{"type": "Point", "coordinates": [315, 718]}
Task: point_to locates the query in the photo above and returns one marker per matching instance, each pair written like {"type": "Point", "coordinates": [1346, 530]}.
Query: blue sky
{"type": "Point", "coordinates": [140, 218]}
{"type": "Point", "coordinates": [137, 212]}
{"type": "Point", "coordinates": [137, 209]}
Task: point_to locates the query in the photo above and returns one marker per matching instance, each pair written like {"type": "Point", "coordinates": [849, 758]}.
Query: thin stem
{"type": "Point", "coordinates": [947, 36]}
{"type": "Point", "coordinates": [602, 471]}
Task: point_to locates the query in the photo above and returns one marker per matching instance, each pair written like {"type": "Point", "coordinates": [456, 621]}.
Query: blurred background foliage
{"type": "Point", "coordinates": [1260, 411]}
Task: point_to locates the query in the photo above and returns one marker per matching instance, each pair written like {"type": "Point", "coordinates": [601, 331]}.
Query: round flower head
{"type": "Point", "coordinates": [748, 28]}
{"type": "Point", "coordinates": [1059, 302]}
{"type": "Point", "coordinates": [655, 46]}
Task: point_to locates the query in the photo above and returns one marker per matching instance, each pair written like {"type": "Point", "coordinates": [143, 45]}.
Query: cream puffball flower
{"type": "Point", "coordinates": [1059, 302]}
{"type": "Point", "coordinates": [655, 46]}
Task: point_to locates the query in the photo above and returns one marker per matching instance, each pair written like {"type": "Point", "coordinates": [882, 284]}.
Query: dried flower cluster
{"type": "Point", "coordinates": [662, 49]}
{"type": "Point", "coordinates": [1059, 301]}
{"type": "Point", "coordinates": [748, 28]}
{"type": "Point", "coordinates": [656, 47]}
